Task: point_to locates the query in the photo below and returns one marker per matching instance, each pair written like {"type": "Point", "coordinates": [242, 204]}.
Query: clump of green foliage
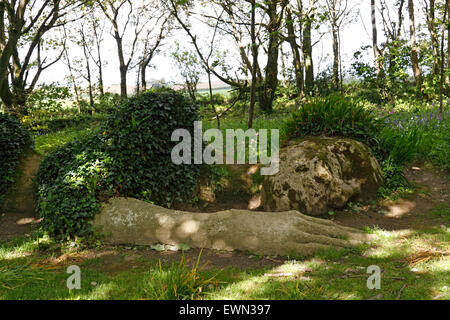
{"type": "Point", "coordinates": [335, 116]}
{"type": "Point", "coordinates": [178, 281]}
{"type": "Point", "coordinates": [14, 139]}
{"type": "Point", "coordinates": [393, 83]}
{"type": "Point", "coordinates": [129, 156]}
{"type": "Point", "coordinates": [108, 103]}
{"type": "Point", "coordinates": [48, 97]}
{"type": "Point", "coordinates": [50, 108]}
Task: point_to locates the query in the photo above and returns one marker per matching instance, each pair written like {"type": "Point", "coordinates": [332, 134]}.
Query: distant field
{"type": "Point", "coordinates": [224, 91]}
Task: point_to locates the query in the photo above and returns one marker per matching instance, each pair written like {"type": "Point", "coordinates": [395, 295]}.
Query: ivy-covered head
{"type": "Point", "coordinates": [139, 139]}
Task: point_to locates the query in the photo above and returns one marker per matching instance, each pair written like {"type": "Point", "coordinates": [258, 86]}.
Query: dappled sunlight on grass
{"type": "Point", "coordinates": [414, 264]}
{"type": "Point", "coordinates": [390, 243]}
{"type": "Point", "coordinates": [100, 292]}
{"type": "Point", "coordinates": [241, 290]}
{"type": "Point", "coordinates": [22, 247]}
{"type": "Point", "coordinates": [45, 144]}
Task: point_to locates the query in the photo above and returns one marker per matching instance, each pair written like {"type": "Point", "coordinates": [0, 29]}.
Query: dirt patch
{"type": "Point", "coordinates": [432, 190]}
{"type": "Point", "coordinates": [18, 216]}
{"type": "Point", "coordinates": [236, 191]}
{"type": "Point", "coordinates": [114, 260]}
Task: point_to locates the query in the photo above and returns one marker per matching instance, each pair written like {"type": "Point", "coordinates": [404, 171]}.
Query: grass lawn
{"type": "Point", "coordinates": [414, 265]}
{"type": "Point", "coordinates": [46, 143]}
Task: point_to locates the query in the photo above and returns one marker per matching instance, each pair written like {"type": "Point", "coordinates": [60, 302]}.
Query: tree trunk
{"type": "Point", "coordinates": [271, 75]}
{"type": "Point", "coordinates": [123, 68]}
{"type": "Point", "coordinates": [211, 100]}
{"type": "Point", "coordinates": [445, 21]}
{"type": "Point", "coordinates": [447, 74]}
{"type": "Point", "coordinates": [88, 71]}
{"type": "Point", "coordinates": [431, 23]}
{"type": "Point", "coordinates": [376, 52]}
{"type": "Point", "coordinates": [74, 83]}
{"type": "Point", "coordinates": [251, 109]}
{"type": "Point", "coordinates": [298, 66]}
{"type": "Point", "coordinates": [100, 75]}
{"type": "Point", "coordinates": [283, 67]}
{"type": "Point", "coordinates": [123, 82]}
{"type": "Point", "coordinates": [307, 49]}
{"type": "Point", "coordinates": [143, 78]}
{"type": "Point", "coordinates": [414, 52]}
{"type": "Point", "coordinates": [335, 75]}
{"type": "Point", "coordinates": [91, 93]}
{"type": "Point", "coordinates": [271, 79]}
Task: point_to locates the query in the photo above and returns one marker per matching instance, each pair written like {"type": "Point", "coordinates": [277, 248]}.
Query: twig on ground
{"type": "Point", "coordinates": [400, 292]}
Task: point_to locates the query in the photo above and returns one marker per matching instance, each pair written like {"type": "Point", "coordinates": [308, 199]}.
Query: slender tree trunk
{"type": "Point", "coordinates": [335, 75]}
{"type": "Point", "coordinates": [123, 68]}
{"type": "Point", "coordinates": [100, 74]}
{"type": "Point", "coordinates": [138, 79]}
{"type": "Point", "coordinates": [341, 73]}
{"type": "Point", "coordinates": [414, 52]}
{"type": "Point", "coordinates": [74, 83]}
{"type": "Point", "coordinates": [271, 76]}
{"type": "Point", "coordinates": [447, 73]}
{"type": "Point", "coordinates": [376, 54]}
{"type": "Point", "coordinates": [88, 72]}
{"type": "Point", "coordinates": [298, 67]}
{"type": "Point", "coordinates": [143, 77]}
{"type": "Point", "coordinates": [283, 67]}
{"type": "Point", "coordinates": [91, 93]}
{"type": "Point", "coordinates": [445, 21]}
{"type": "Point", "coordinates": [307, 49]}
{"type": "Point", "coordinates": [431, 23]}
{"type": "Point", "coordinates": [98, 40]}
{"type": "Point", "coordinates": [123, 82]}
{"type": "Point", "coordinates": [211, 100]}
{"type": "Point", "coordinates": [254, 64]}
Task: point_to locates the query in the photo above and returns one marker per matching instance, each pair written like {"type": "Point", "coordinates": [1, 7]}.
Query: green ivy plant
{"type": "Point", "coordinates": [14, 139]}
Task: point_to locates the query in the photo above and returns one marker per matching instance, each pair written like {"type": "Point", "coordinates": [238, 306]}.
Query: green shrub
{"type": "Point", "coordinates": [335, 116]}
{"type": "Point", "coordinates": [13, 140]}
{"type": "Point", "coordinates": [399, 146]}
{"type": "Point", "coordinates": [108, 103]}
{"type": "Point", "coordinates": [131, 156]}
{"type": "Point", "coordinates": [418, 132]}
{"type": "Point", "coordinates": [48, 97]}
{"type": "Point", "coordinates": [68, 197]}
{"type": "Point", "coordinates": [393, 175]}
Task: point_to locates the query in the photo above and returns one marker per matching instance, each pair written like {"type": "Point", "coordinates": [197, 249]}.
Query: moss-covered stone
{"type": "Point", "coordinates": [319, 174]}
